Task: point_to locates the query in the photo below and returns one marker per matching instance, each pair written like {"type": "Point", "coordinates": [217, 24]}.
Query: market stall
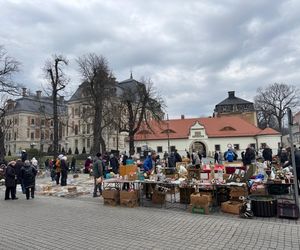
{"type": "Point", "coordinates": [230, 188]}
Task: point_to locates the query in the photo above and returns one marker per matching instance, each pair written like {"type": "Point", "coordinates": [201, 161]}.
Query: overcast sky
{"type": "Point", "coordinates": [194, 51]}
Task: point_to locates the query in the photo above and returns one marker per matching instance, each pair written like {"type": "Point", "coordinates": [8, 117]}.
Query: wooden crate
{"type": "Point", "coordinates": [232, 207]}
{"type": "Point", "coordinates": [125, 195]}
{"type": "Point", "coordinates": [129, 203]}
{"type": "Point", "coordinates": [111, 194]}
{"type": "Point", "coordinates": [111, 202]}
{"type": "Point", "coordinates": [158, 197]}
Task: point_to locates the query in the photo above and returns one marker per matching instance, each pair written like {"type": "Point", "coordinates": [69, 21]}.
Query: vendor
{"type": "Point", "coordinates": [149, 165]}
{"type": "Point", "coordinates": [297, 162]}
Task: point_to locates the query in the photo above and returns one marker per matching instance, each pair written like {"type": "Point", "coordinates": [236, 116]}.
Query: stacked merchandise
{"type": "Point", "coordinates": [129, 198]}
{"type": "Point", "coordinates": [111, 197]}
{"type": "Point", "coordinates": [234, 205]}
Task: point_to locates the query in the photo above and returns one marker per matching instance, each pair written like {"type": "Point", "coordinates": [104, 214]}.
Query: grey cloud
{"type": "Point", "coordinates": [194, 51]}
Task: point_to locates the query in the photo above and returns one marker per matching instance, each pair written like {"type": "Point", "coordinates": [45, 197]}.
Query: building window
{"type": "Point", "coordinates": [16, 121]}
{"type": "Point", "coordinates": [88, 143]}
{"type": "Point", "coordinates": [114, 142]}
{"type": "Point", "coordinates": [51, 123]}
{"type": "Point", "coordinates": [217, 147]}
{"type": "Point", "coordinates": [236, 146]}
{"type": "Point", "coordinates": [51, 137]}
{"type": "Point", "coordinates": [32, 122]}
{"type": "Point", "coordinates": [159, 149]}
{"type": "Point", "coordinates": [172, 148]}
{"type": "Point", "coordinates": [28, 133]}
{"type": "Point", "coordinates": [15, 136]}
{"type": "Point", "coordinates": [43, 122]}
{"type": "Point", "coordinates": [42, 135]}
{"type": "Point", "coordinates": [83, 142]}
{"type": "Point", "coordinates": [197, 134]}
{"type": "Point", "coordinates": [77, 111]}
{"type": "Point", "coordinates": [138, 150]}
{"type": "Point", "coordinates": [76, 143]}
{"type": "Point", "coordinates": [72, 112]}
{"type": "Point", "coordinates": [83, 128]}
{"type": "Point", "coordinates": [76, 129]}
{"type": "Point", "coordinates": [32, 136]}
{"type": "Point", "coordinates": [88, 128]}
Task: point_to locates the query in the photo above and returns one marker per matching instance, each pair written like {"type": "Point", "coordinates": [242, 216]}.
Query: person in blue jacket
{"type": "Point", "coordinates": [148, 166]}
{"type": "Point", "coordinates": [149, 163]}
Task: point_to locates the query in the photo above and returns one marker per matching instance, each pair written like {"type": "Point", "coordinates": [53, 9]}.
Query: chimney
{"type": "Point", "coordinates": [182, 117]}
{"type": "Point", "coordinates": [24, 92]}
{"type": "Point", "coordinates": [38, 94]}
{"type": "Point", "coordinates": [231, 94]}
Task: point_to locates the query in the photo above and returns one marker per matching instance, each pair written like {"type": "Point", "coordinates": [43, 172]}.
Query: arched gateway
{"type": "Point", "coordinates": [198, 146]}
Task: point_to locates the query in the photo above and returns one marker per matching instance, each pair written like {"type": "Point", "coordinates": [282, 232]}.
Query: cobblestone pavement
{"type": "Point", "coordinates": [60, 223]}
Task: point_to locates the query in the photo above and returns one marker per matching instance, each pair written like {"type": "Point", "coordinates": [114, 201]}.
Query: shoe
{"type": "Point", "coordinates": [7, 199]}
{"type": "Point", "coordinates": [32, 197]}
{"type": "Point", "coordinates": [16, 198]}
{"type": "Point", "coordinates": [27, 198]}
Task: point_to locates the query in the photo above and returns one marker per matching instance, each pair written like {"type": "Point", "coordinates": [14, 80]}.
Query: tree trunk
{"type": "Point", "coordinates": [103, 144]}
{"type": "Point", "coordinates": [131, 143]}
{"type": "Point", "coordinates": [2, 148]}
{"type": "Point", "coordinates": [97, 131]}
{"type": "Point", "coordinates": [55, 124]}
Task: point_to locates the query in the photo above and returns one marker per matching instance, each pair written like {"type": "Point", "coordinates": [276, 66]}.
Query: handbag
{"type": "Point", "coordinates": [99, 180]}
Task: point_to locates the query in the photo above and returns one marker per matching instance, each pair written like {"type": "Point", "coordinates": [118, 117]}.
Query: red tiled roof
{"type": "Point", "coordinates": [214, 127]}
{"type": "Point", "coordinates": [268, 131]}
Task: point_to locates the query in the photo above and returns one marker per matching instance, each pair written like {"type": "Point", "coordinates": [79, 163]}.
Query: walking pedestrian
{"type": "Point", "coordinates": [28, 174]}
{"type": "Point", "coordinates": [98, 172]}
{"type": "Point", "coordinates": [58, 169]}
{"type": "Point", "coordinates": [18, 167]}
{"type": "Point", "coordinates": [64, 171]}
{"type": "Point", "coordinates": [10, 181]}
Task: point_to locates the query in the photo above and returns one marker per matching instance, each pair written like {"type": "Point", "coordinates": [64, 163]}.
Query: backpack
{"type": "Point", "coordinates": [230, 156]}
{"type": "Point", "coordinates": [28, 173]}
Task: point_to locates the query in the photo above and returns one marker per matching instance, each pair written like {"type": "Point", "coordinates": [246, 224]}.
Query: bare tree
{"type": "Point", "coordinates": [8, 67]}
{"type": "Point", "coordinates": [274, 100]}
{"type": "Point", "coordinates": [100, 88]}
{"type": "Point", "coordinates": [141, 103]}
{"type": "Point", "coordinates": [55, 75]}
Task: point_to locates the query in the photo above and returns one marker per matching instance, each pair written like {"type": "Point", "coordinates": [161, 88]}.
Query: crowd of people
{"type": "Point", "coordinates": [23, 172]}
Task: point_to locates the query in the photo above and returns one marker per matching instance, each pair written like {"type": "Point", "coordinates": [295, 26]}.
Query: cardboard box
{"type": "Point", "coordinates": [127, 169]}
{"type": "Point", "coordinates": [158, 197]}
{"type": "Point", "coordinates": [197, 209]}
{"type": "Point", "coordinates": [232, 207]}
{"type": "Point", "coordinates": [201, 199]}
{"type": "Point", "coordinates": [111, 194]}
{"type": "Point", "coordinates": [72, 189]}
{"type": "Point", "coordinates": [236, 192]}
{"type": "Point", "coordinates": [129, 202]}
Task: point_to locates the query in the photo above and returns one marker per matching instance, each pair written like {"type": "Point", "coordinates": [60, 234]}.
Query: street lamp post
{"type": "Point", "coordinates": [290, 118]}
{"type": "Point", "coordinates": [168, 133]}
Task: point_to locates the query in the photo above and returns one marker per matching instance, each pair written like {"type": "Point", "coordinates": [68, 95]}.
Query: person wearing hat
{"type": "Point", "coordinates": [10, 181]}
{"type": "Point", "coordinates": [23, 155]}
{"type": "Point", "coordinates": [28, 174]}
{"type": "Point", "coordinates": [88, 165]}
{"type": "Point", "coordinates": [64, 171]}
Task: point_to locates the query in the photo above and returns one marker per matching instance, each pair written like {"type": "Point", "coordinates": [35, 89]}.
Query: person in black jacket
{"type": "Point", "coordinates": [28, 173]}
{"type": "Point", "coordinates": [114, 163]}
{"type": "Point", "coordinates": [64, 171]}
{"type": "Point", "coordinates": [267, 154]}
{"type": "Point", "coordinates": [18, 167]}
{"type": "Point", "coordinates": [249, 156]}
{"type": "Point", "coordinates": [10, 181]}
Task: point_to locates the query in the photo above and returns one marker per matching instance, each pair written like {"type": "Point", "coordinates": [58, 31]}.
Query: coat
{"type": "Point", "coordinates": [148, 164]}
{"type": "Point", "coordinates": [28, 174]}
{"type": "Point", "coordinates": [267, 154]}
{"type": "Point", "coordinates": [10, 176]}
{"type": "Point", "coordinates": [97, 168]}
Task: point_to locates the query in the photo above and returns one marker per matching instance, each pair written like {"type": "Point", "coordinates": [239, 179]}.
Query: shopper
{"type": "Point", "coordinates": [64, 171]}
{"type": "Point", "coordinates": [88, 165]}
{"type": "Point", "coordinates": [177, 157]}
{"type": "Point", "coordinates": [10, 181]}
{"type": "Point", "coordinates": [249, 156]}
{"type": "Point", "coordinates": [28, 174]}
{"type": "Point", "coordinates": [97, 172]}
{"type": "Point", "coordinates": [18, 167]}
{"type": "Point", "coordinates": [216, 157]}
{"type": "Point", "coordinates": [23, 155]}
{"type": "Point", "coordinates": [196, 159]}
{"type": "Point", "coordinates": [58, 169]}
{"type": "Point", "coordinates": [114, 163]}
{"type": "Point", "coordinates": [267, 153]}
{"type": "Point", "coordinates": [73, 164]}
{"type": "Point", "coordinates": [229, 155]}
{"type": "Point", "coordinates": [283, 156]}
